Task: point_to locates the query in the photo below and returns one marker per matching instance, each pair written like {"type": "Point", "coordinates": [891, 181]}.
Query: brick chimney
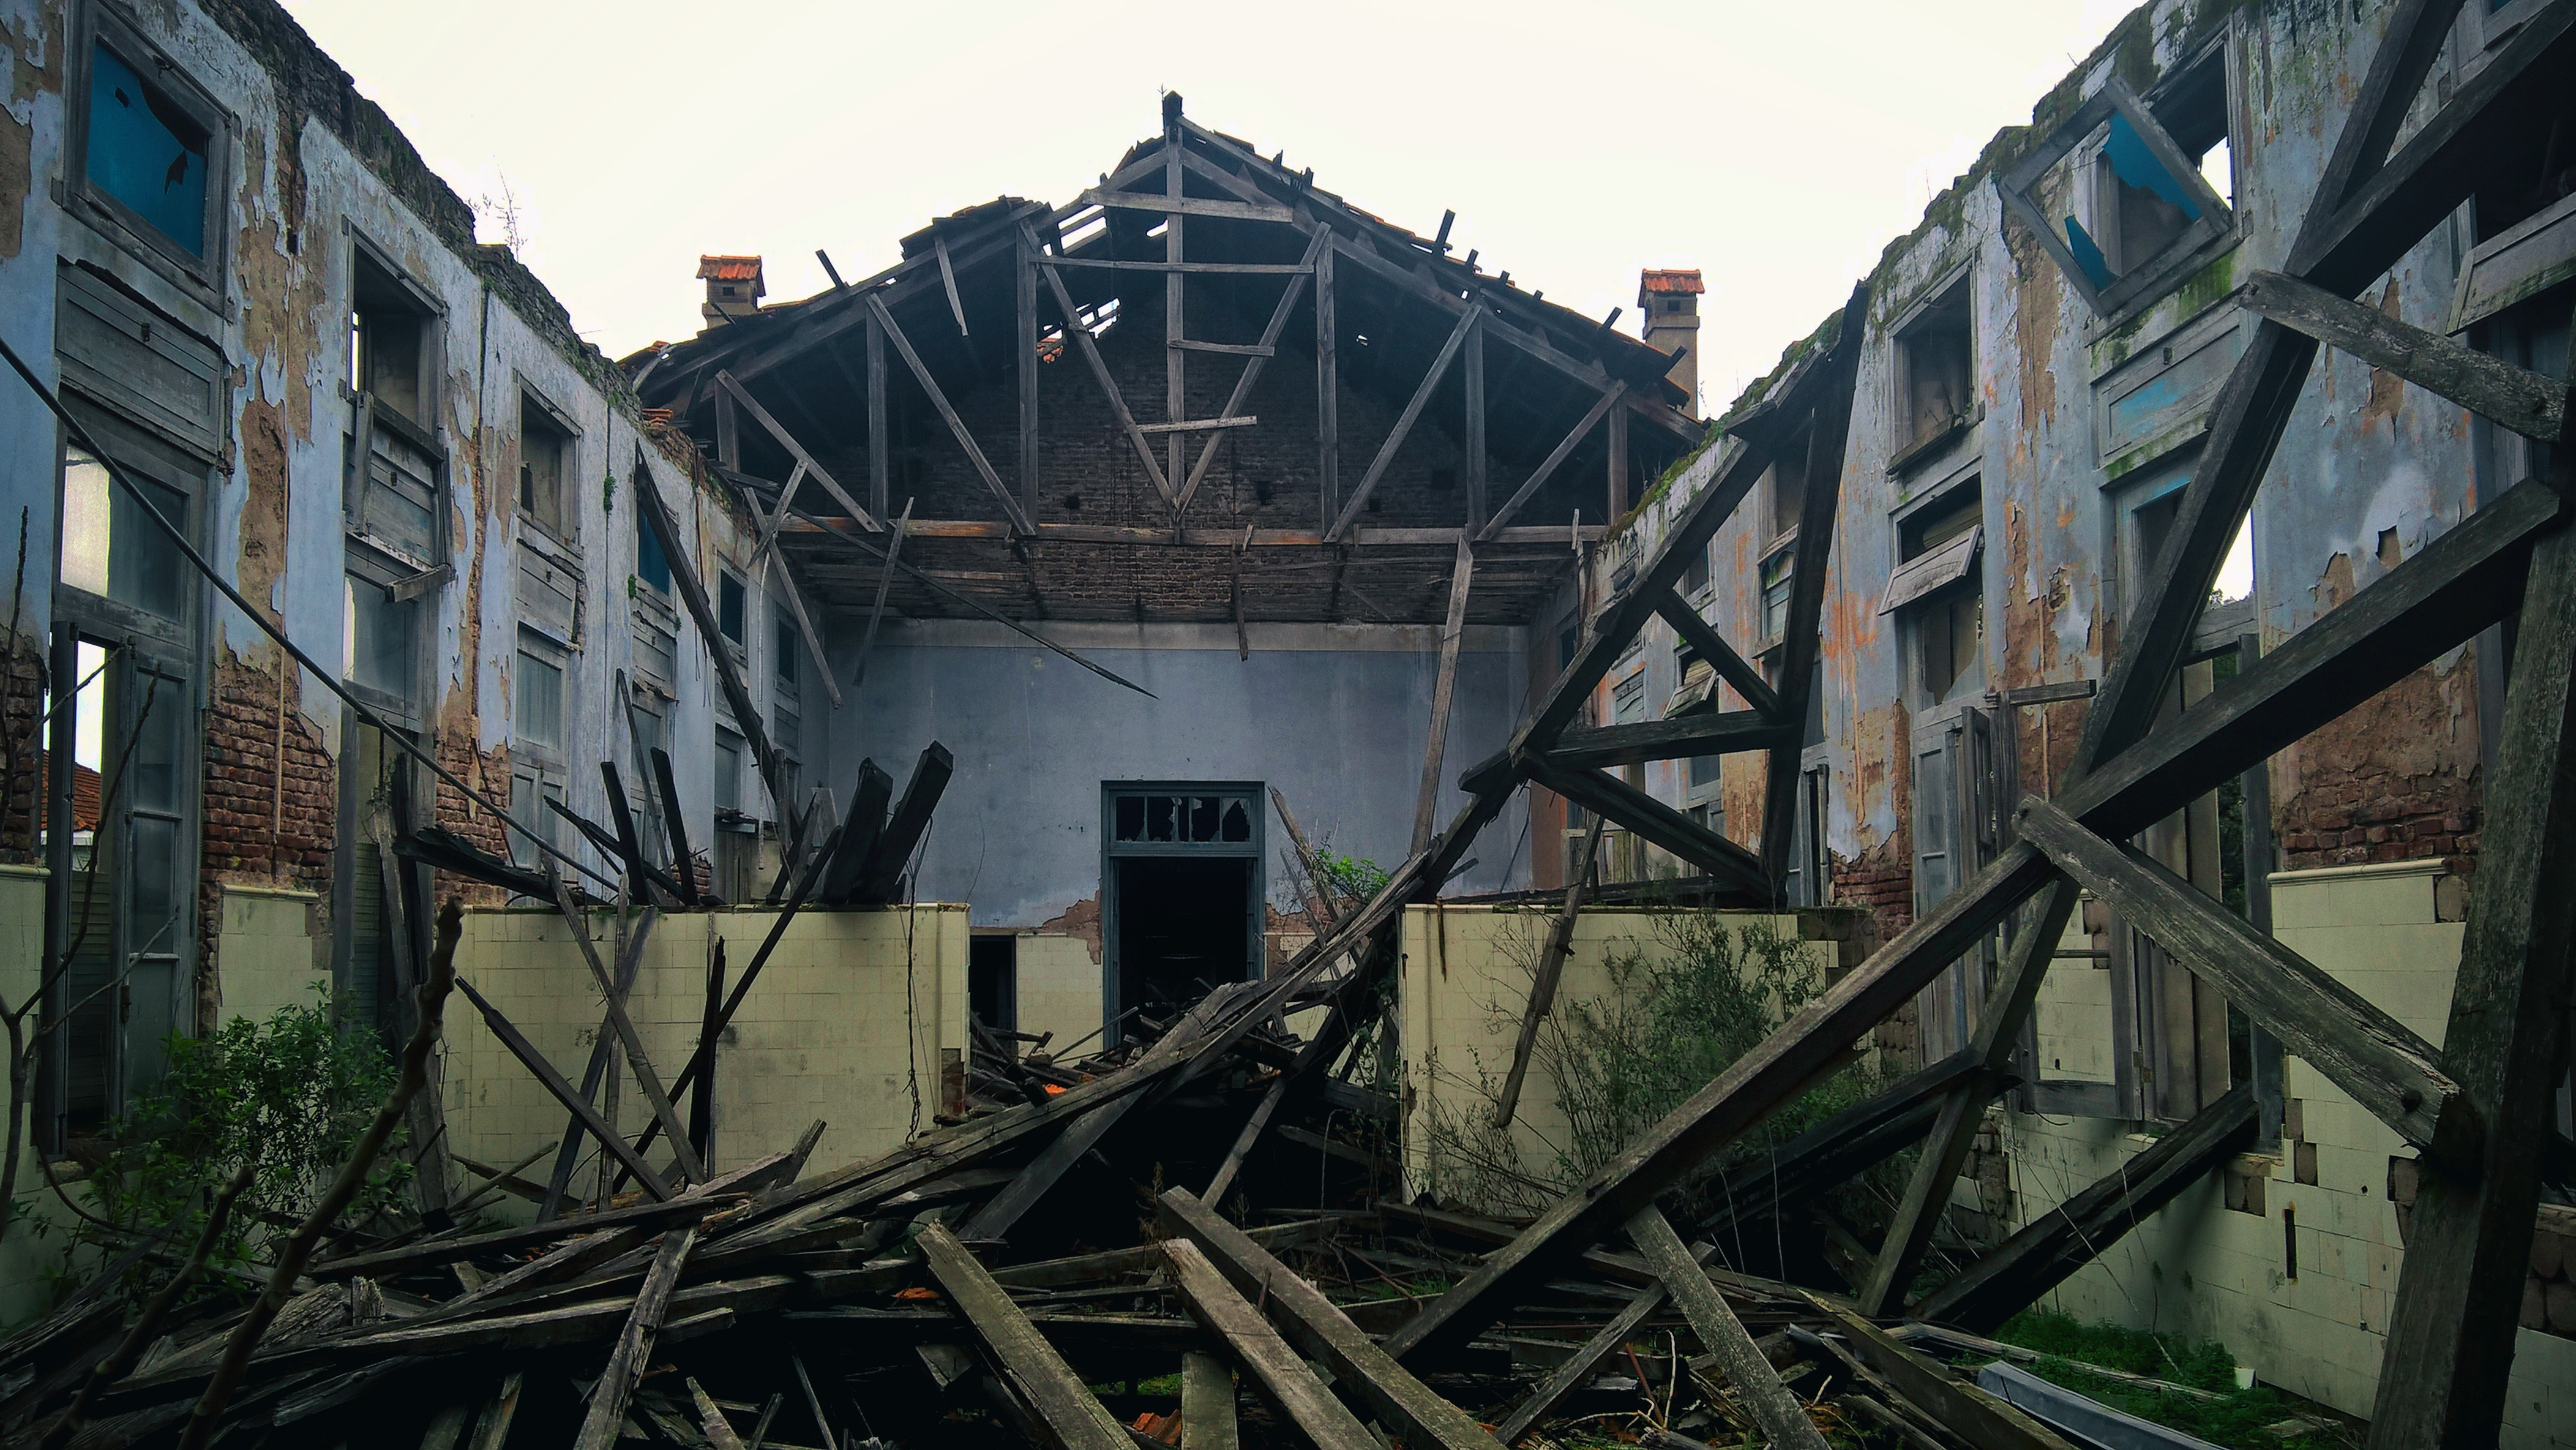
{"type": "Point", "coordinates": [1670, 301]}
{"type": "Point", "coordinates": [734, 288]}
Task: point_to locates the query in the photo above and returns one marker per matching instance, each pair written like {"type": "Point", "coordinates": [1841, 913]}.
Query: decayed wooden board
{"type": "Point", "coordinates": [1207, 1404]}
{"type": "Point", "coordinates": [1981, 1417]}
{"type": "Point", "coordinates": [2513, 398]}
{"type": "Point", "coordinates": [1318, 1328]}
{"type": "Point", "coordinates": [1053, 1390]}
{"type": "Point", "coordinates": [1579, 1366]}
{"type": "Point", "coordinates": [1282, 1375]}
{"type": "Point", "coordinates": [609, 1398]}
{"type": "Point", "coordinates": [1757, 1385]}
{"type": "Point", "coordinates": [1715, 733]}
{"type": "Point", "coordinates": [1551, 966]}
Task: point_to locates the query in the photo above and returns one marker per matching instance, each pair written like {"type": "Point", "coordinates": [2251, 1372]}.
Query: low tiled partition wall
{"type": "Point", "coordinates": [1463, 990]}
{"type": "Point", "coordinates": [846, 1024]}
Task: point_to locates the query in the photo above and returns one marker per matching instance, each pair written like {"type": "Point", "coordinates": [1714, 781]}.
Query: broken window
{"type": "Point", "coordinates": [545, 466]}
{"type": "Point", "coordinates": [391, 324]}
{"type": "Point", "coordinates": [1936, 586]}
{"type": "Point", "coordinates": [151, 142]}
{"type": "Point", "coordinates": [1182, 907]}
{"type": "Point", "coordinates": [1776, 580]}
{"type": "Point", "coordinates": [377, 638]}
{"type": "Point", "coordinates": [1784, 489]}
{"type": "Point", "coordinates": [732, 606]}
{"type": "Point", "coordinates": [735, 856]}
{"type": "Point", "coordinates": [1935, 374]}
{"type": "Point", "coordinates": [992, 980]}
{"type": "Point", "coordinates": [2117, 196]}
{"type": "Point", "coordinates": [110, 548]}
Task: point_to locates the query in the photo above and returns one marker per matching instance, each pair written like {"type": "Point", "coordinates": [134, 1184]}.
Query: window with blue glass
{"type": "Point", "coordinates": [2129, 194]}
{"type": "Point", "coordinates": [150, 147]}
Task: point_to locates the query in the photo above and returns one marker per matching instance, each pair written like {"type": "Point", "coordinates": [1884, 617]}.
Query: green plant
{"type": "Point", "coordinates": [2069, 1351]}
{"type": "Point", "coordinates": [291, 1094]}
{"type": "Point", "coordinates": [1352, 877]}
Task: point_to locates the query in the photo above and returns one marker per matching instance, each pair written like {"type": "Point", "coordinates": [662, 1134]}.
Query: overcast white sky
{"type": "Point", "coordinates": [1777, 147]}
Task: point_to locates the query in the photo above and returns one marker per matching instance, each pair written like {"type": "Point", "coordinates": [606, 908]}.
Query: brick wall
{"type": "Point", "coordinates": [2397, 779]}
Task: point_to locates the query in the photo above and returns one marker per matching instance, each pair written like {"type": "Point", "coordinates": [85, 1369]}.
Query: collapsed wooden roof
{"type": "Point", "coordinates": [1272, 406]}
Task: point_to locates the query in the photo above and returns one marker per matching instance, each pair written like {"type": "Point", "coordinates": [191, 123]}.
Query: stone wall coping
{"type": "Point", "coordinates": [2419, 866]}
{"type": "Point", "coordinates": [288, 893]}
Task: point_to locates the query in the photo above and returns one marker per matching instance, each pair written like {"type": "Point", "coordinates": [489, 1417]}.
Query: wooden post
{"type": "Point", "coordinates": [1284, 1375]}
{"type": "Point", "coordinates": [1426, 801]}
{"type": "Point", "coordinates": [702, 1100]}
{"type": "Point", "coordinates": [1328, 392]}
{"type": "Point", "coordinates": [878, 484]}
{"type": "Point", "coordinates": [1024, 302]}
{"type": "Point", "coordinates": [1175, 394]}
{"type": "Point", "coordinates": [1472, 475]}
{"type": "Point", "coordinates": [606, 1417]}
{"type": "Point", "coordinates": [1618, 465]}
{"type": "Point", "coordinates": [1054, 1391]}
{"type": "Point", "coordinates": [1207, 1403]}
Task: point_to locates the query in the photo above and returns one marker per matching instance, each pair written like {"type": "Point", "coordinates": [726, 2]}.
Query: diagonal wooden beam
{"type": "Point", "coordinates": [1551, 966]}
{"type": "Point", "coordinates": [681, 553]}
{"type": "Point", "coordinates": [1578, 1367]}
{"type": "Point", "coordinates": [1037, 1371]}
{"type": "Point", "coordinates": [1242, 211]}
{"type": "Point", "coordinates": [1757, 1386]}
{"type": "Point", "coordinates": [1084, 343]}
{"type": "Point", "coordinates": [1963, 1105]}
{"type": "Point", "coordinates": [1555, 459]}
{"type": "Point", "coordinates": [2451, 1336]}
{"type": "Point", "coordinates": [1286, 1379]}
{"type": "Point", "coordinates": [2045, 1253]}
{"type": "Point", "coordinates": [1426, 800]}
{"type": "Point", "coordinates": [1708, 733]}
{"type": "Point", "coordinates": [2361, 1049]}
{"type": "Point", "coordinates": [2513, 398]}
{"type": "Point", "coordinates": [1270, 334]}
{"type": "Point", "coordinates": [1467, 322]}
{"type": "Point", "coordinates": [948, 413]}
{"type": "Point", "coordinates": [1731, 667]}
{"type": "Point", "coordinates": [624, 1026]}
{"type": "Point", "coordinates": [605, 1419]}
{"type": "Point", "coordinates": [544, 1072]}
{"type": "Point", "coordinates": [804, 462]}
{"type": "Point", "coordinates": [1658, 823]}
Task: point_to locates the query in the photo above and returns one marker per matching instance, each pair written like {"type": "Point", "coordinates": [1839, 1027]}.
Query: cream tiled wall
{"type": "Point", "coordinates": [24, 1256]}
{"type": "Point", "coordinates": [1059, 982]}
{"type": "Point", "coordinates": [1463, 986]}
{"type": "Point", "coordinates": [272, 950]}
{"type": "Point", "coordinates": [2203, 1270]}
{"type": "Point", "coordinates": [824, 1033]}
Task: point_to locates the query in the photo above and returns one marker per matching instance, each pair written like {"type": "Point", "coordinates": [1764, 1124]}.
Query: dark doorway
{"type": "Point", "coordinates": [1182, 926]}
{"type": "Point", "coordinates": [993, 981]}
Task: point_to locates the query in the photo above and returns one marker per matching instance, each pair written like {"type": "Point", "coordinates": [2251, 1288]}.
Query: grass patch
{"type": "Point", "coordinates": [2239, 1419]}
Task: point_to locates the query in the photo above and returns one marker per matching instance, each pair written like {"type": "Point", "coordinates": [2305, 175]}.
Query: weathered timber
{"type": "Point", "coordinates": [645, 880]}
{"type": "Point", "coordinates": [2513, 398]}
{"type": "Point", "coordinates": [1657, 822]}
{"type": "Point", "coordinates": [2381, 1062]}
{"type": "Point", "coordinates": [882, 873]}
{"type": "Point", "coordinates": [1319, 1329]}
{"type": "Point", "coordinates": [624, 1026]}
{"type": "Point", "coordinates": [1711, 646]}
{"type": "Point", "coordinates": [1578, 1366]}
{"type": "Point", "coordinates": [1207, 1404]}
{"type": "Point", "coordinates": [544, 1071]}
{"type": "Point", "coordinates": [1404, 421]}
{"type": "Point", "coordinates": [1551, 966]}
{"type": "Point", "coordinates": [1080, 337]}
{"type": "Point", "coordinates": [681, 551]}
{"type": "Point", "coordinates": [947, 413]}
{"type": "Point", "coordinates": [860, 830]}
{"type": "Point", "coordinates": [436, 846]}
{"type": "Point", "coordinates": [684, 870]}
{"type": "Point", "coordinates": [1053, 1390]}
{"type": "Point", "coordinates": [1707, 733]}
{"type": "Point", "coordinates": [1956, 1403]}
{"type": "Point", "coordinates": [1426, 801]}
{"type": "Point", "coordinates": [1284, 1376]}
{"type": "Point", "coordinates": [1189, 206]}
{"type": "Point", "coordinates": [1757, 1385]}
{"type": "Point", "coordinates": [805, 463]}
{"type": "Point", "coordinates": [2045, 1252]}
{"type": "Point", "coordinates": [1258, 355]}
{"type": "Point", "coordinates": [603, 1054]}
{"type": "Point", "coordinates": [606, 1416]}
{"type": "Point", "coordinates": [1831, 1152]}
{"type": "Point", "coordinates": [876, 608]}
{"type": "Point", "coordinates": [1592, 416]}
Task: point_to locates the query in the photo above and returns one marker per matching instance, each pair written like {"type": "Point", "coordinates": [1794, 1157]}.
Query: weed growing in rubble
{"type": "Point", "coordinates": [294, 1092]}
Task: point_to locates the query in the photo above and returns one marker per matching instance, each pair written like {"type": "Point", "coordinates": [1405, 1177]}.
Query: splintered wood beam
{"type": "Point", "coordinates": [948, 279]}
{"type": "Point", "coordinates": [1200, 425]}
{"type": "Point", "coordinates": [684, 870]}
{"type": "Point", "coordinates": [603, 1054]}
{"type": "Point", "coordinates": [1057, 1395]}
{"type": "Point", "coordinates": [1657, 822]}
{"type": "Point", "coordinates": [882, 873]}
{"type": "Point", "coordinates": [2046, 1252]}
{"type": "Point", "coordinates": [1577, 1368]}
{"type": "Point", "coordinates": [804, 461]}
{"type": "Point", "coordinates": [1175, 313]}
{"type": "Point", "coordinates": [1426, 800]}
{"type": "Point", "coordinates": [1671, 738]}
{"type": "Point", "coordinates": [1551, 966]}
{"type": "Point", "coordinates": [544, 1071]}
{"type": "Point", "coordinates": [1207, 1403]}
{"type": "Point", "coordinates": [1286, 1379]}
{"type": "Point", "coordinates": [947, 413]}
{"type": "Point", "coordinates": [1242, 211]}
{"type": "Point", "coordinates": [1080, 336]}
{"type": "Point", "coordinates": [1757, 1385]}
{"type": "Point", "coordinates": [1024, 368]}
{"type": "Point", "coordinates": [876, 609]}
{"type": "Point", "coordinates": [681, 553]}
{"type": "Point", "coordinates": [1467, 322]}
{"type": "Point", "coordinates": [2516, 399]}
{"type": "Point", "coordinates": [1320, 1331]}
{"type": "Point", "coordinates": [880, 470]}
{"type": "Point", "coordinates": [605, 1420]}
{"type": "Point", "coordinates": [1555, 459]}
{"type": "Point", "coordinates": [643, 877]}
{"type": "Point", "coordinates": [2385, 1066]}
{"type": "Point", "coordinates": [1963, 1105]}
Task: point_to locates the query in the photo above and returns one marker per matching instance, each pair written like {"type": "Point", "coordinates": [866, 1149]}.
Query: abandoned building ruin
{"type": "Point", "coordinates": [1065, 784]}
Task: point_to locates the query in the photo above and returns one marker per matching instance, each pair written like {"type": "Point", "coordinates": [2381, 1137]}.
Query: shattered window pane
{"type": "Point", "coordinates": [1238, 825]}
{"type": "Point", "coordinates": [1131, 818]}
{"type": "Point", "coordinates": [378, 639]}
{"type": "Point", "coordinates": [2141, 206]}
{"type": "Point", "coordinates": [111, 548]}
{"type": "Point", "coordinates": [1203, 818]}
{"type": "Point", "coordinates": [1159, 811]}
{"type": "Point", "coordinates": [146, 152]}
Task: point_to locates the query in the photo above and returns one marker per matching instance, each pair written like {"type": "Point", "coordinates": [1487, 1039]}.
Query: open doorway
{"type": "Point", "coordinates": [1181, 891]}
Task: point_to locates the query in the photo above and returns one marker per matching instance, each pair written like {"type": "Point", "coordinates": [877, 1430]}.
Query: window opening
{"type": "Point", "coordinates": [545, 457]}
{"type": "Point", "coordinates": [111, 549]}
{"type": "Point", "coordinates": [2136, 196]}
{"type": "Point", "coordinates": [377, 638]}
{"type": "Point", "coordinates": [1937, 584]}
{"type": "Point", "coordinates": [1784, 483]}
{"type": "Point", "coordinates": [992, 981]}
{"type": "Point", "coordinates": [784, 659]}
{"type": "Point", "coordinates": [731, 606]}
{"type": "Point", "coordinates": [1935, 371]}
{"type": "Point", "coordinates": [146, 151]}
{"type": "Point", "coordinates": [1182, 881]}
{"type": "Point", "coordinates": [388, 333]}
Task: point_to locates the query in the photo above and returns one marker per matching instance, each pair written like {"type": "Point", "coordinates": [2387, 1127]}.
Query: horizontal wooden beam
{"type": "Point", "coordinates": [1243, 211]}
{"type": "Point", "coordinates": [2514, 398]}
{"type": "Point", "coordinates": [1654, 821]}
{"type": "Point", "coordinates": [1230, 349]}
{"type": "Point", "coordinates": [1557, 538]}
{"type": "Point", "coordinates": [1199, 425]}
{"type": "Point", "coordinates": [2384, 1066]}
{"type": "Point", "coordinates": [1710, 733]}
{"type": "Point", "coordinates": [1240, 269]}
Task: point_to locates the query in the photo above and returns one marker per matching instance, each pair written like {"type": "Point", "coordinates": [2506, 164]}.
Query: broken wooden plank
{"type": "Point", "coordinates": [1319, 1329]}
{"type": "Point", "coordinates": [1054, 1391]}
{"type": "Point", "coordinates": [1426, 800]}
{"type": "Point", "coordinates": [2046, 1251]}
{"type": "Point", "coordinates": [1657, 822]}
{"type": "Point", "coordinates": [859, 832]}
{"type": "Point", "coordinates": [2381, 1062]}
{"type": "Point", "coordinates": [804, 460]}
{"type": "Point", "coordinates": [1284, 1377]}
{"type": "Point", "coordinates": [603, 1053]}
{"type": "Point", "coordinates": [1551, 966]}
{"type": "Point", "coordinates": [1757, 1386]}
{"type": "Point", "coordinates": [544, 1071]}
{"type": "Point", "coordinates": [675, 826]}
{"type": "Point", "coordinates": [626, 1363]}
{"type": "Point", "coordinates": [882, 873]}
{"type": "Point", "coordinates": [624, 1026]}
{"type": "Point", "coordinates": [493, 1429]}
{"type": "Point", "coordinates": [1707, 733]}
{"type": "Point", "coordinates": [1207, 1404]}
{"type": "Point", "coordinates": [1578, 1367]}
